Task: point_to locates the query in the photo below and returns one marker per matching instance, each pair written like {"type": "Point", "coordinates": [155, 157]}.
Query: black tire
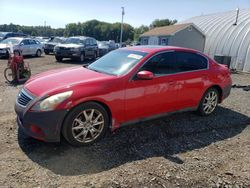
{"type": "Point", "coordinates": [8, 74]}
{"type": "Point", "coordinates": [38, 53]}
{"type": "Point", "coordinates": [202, 110]}
{"type": "Point", "coordinates": [78, 113]}
{"type": "Point", "coordinates": [58, 58]}
{"type": "Point", "coordinates": [95, 56]}
{"type": "Point", "coordinates": [82, 58]}
{"type": "Point", "coordinates": [46, 52]}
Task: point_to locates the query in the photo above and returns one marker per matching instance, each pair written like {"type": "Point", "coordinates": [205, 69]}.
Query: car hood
{"type": "Point", "coordinates": [69, 45]}
{"type": "Point", "coordinates": [61, 79]}
{"type": "Point", "coordinates": [2, 46]}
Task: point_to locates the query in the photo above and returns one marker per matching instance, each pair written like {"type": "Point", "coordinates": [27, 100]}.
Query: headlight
{"type": "Point", "coordinates": [51, 102]}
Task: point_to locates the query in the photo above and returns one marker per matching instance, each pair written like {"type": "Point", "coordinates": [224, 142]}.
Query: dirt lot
{"type": "Point", "coordinates": [182, 150]}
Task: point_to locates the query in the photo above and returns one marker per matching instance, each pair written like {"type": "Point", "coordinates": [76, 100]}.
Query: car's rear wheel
{"type": "Point", "coordinates": [85, 124]}
{"type": "Point", "coordinates": [38, 53]}
{"type": "Point", "coordinates": [209, 102]}
{"type": "Point", "coordinates": [58, 58]}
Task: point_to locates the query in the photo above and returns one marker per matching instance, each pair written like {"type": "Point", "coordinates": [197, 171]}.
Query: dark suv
{"type": "Point", "coordinates": [78, 48]}
{"type": "Point", "coordinates": [50, 45]}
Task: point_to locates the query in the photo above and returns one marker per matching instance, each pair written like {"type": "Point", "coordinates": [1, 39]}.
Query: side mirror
{"type": "Point", "coordinates": [145, 75]}
{"type": "Point", "coordinates": [21, 44]}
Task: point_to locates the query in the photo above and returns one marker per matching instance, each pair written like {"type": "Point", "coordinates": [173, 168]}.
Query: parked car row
{"type": "Point", "coordinates": [77, 48]}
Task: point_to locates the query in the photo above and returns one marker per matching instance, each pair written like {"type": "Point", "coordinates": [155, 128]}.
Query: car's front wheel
{"type": "Point", "coordinates": [82, 57]}
{"type": "Point", "coordinates": [209, 102]}
{"type": "Point", "coordinates": [58, 58]}
{"type": "Point", "coordinates": [85, 124]}
{"type": "Point", "coordinates": [38, 53]}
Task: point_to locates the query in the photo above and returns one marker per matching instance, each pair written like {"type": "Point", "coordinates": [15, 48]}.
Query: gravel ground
{"type": "Point", "coordinates": [182, 150]}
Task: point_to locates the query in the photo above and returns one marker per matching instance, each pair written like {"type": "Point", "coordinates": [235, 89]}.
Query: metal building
{"type": "Point", "coordinates": [183, 35]}
{"type": "Point", "coordinates": [227, 34]}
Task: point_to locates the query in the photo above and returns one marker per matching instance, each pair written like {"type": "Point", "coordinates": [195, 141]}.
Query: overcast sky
{"type": "Point", "coordinates": [137, 12]}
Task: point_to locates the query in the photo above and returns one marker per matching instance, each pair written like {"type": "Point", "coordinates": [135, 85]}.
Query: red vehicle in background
{"type": "Point", "coordinates": [125, 86]}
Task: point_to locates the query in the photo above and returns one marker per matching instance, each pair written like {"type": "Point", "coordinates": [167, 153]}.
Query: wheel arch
{"type": "Point", "coordinates": [105, 106]}
{"type": "Point", "coordinates": [219, 89]}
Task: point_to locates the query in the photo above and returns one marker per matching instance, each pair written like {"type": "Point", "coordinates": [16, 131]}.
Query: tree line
{"type": "Point", "coordinates": [93, 28]}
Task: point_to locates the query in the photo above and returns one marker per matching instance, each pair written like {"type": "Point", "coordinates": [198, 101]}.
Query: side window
{"type": "Point", "coordinates": [32, 42]}
{"type": "Point", "coordinates": [91, 42]}
{"type": "Point", "coordinates": [162, 64]}
{"type": "Point", "coordinates": [187, 61]}
{"type": "Point", "coordinates": [25, 42]}
{"type": "Point", "coordinates": [94, 42]}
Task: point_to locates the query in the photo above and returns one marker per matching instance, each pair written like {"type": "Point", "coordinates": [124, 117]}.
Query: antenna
{"type": "Point", "coordinates": [237, 16]}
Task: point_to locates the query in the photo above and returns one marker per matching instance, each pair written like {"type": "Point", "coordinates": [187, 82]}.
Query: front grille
{"type": "Point", "coordinates": [23, 98]}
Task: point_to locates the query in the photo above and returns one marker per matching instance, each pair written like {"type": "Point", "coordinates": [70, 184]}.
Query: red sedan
{"type": "Point", "coordinates": [123, 87]}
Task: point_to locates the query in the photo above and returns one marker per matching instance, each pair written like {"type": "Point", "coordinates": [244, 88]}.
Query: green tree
{"type": "Point", "coordinates": [162, 22]}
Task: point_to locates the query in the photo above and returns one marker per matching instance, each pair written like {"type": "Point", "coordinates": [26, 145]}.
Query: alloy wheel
{"type": "Point", "coordinates": [210, 102]}
{"type": "Point", "coordinates": [88, 125]}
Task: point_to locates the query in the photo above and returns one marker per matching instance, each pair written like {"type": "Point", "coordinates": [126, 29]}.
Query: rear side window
{"type": "Point", "coordinates": [187, 61]}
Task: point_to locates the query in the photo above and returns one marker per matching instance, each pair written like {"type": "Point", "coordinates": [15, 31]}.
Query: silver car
{"type": "Point", "coordinates": [28, 46]}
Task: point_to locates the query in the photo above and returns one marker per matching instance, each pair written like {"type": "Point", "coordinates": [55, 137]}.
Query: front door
{"type": "Point", "coordinates": [145, 98]}
{"type": "Point", "coordinates": [25, 47]}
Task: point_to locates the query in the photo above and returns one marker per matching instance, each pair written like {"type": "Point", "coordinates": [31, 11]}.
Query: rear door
{"type": "Point", "coordinates": [33, 47]}
{"type": "Point", "coordinates": [193, 72]}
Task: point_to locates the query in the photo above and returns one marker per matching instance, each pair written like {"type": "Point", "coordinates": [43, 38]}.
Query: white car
{"type": "Point", "coordinates": [28, 46]}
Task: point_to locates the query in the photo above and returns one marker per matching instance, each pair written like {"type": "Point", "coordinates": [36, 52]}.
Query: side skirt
{"type": "Point", "coordinates": [158, 116]}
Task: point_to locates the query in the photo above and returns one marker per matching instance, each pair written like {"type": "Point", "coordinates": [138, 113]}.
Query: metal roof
{"type": "Point", "coordinates": [166, 30]}
{"type": "Point", "coordinates": [225, 38]}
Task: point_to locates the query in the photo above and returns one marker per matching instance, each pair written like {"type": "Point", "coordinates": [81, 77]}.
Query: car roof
{"type": "Point", "coordinates": [82, 37]}
{"type": "Point", "coordinates": [20, 38]}
{"type": "Point", "coordinates": [157, 48]}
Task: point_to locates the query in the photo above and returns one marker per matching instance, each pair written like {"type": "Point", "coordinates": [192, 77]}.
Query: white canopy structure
{"type": "Point", "coordinates": [227, 34]}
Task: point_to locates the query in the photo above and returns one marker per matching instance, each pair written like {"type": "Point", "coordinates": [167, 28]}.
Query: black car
{"type": "Point", "coordinates": [5, 35]}
{"type": "Point", "coordinates": [50, 45]}
{"type": "Point", "coordinates": [103, 48]}
{"type": "Point", "coordinates": [78, 48]}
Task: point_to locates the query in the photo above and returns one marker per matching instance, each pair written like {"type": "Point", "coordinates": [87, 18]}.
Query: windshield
{"type": "Point", "coordinates": [73, 41]}
{"type": "Point", "coordinates": [117, 62]}
{"type": "Point", "coordinates": [10, 41]}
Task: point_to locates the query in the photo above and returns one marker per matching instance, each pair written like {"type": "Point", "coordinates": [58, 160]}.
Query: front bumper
{"type": "Point", "coordinates": [3, 53]}
{"type": "Point", "coordinates": [44, 126]}
{"type": "Point", "coordinates": [68, 53]}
